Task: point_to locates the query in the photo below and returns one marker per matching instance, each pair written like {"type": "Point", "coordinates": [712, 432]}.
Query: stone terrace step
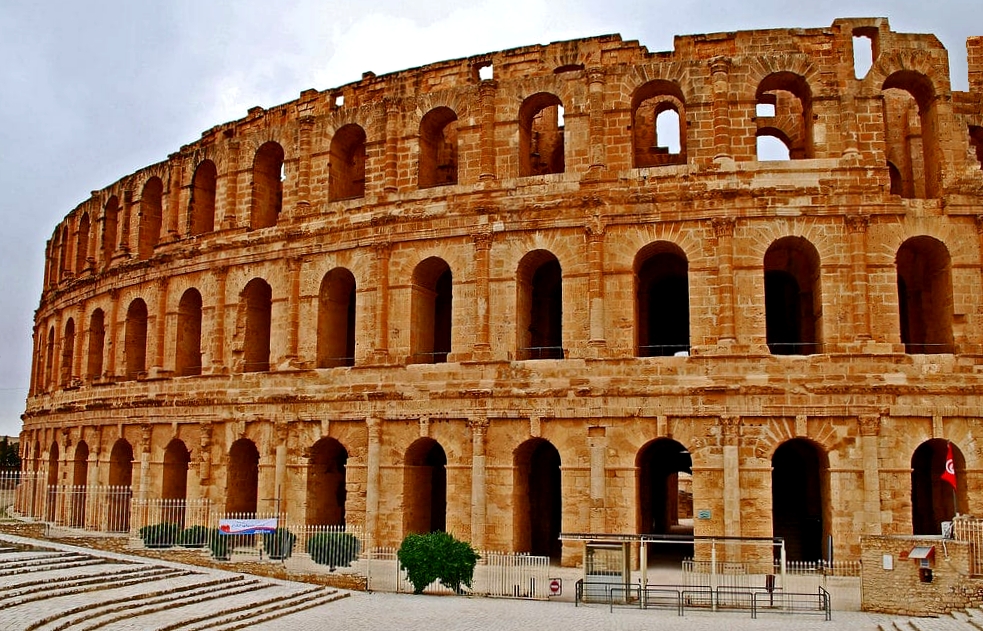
{"type": "Point", "coordinates": [245, 616]}
{"type": "Point", "coordinates": [27, 562]}
{"type": "Point", "coordinates": [60, 586]}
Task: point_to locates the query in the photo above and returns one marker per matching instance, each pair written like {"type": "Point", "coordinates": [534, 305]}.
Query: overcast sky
{"type": "Point", "coordinates": [91, 91]}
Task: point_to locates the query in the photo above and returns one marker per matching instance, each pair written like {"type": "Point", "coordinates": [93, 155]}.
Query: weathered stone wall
{"type": "Point", "coordinates": [303, 237]}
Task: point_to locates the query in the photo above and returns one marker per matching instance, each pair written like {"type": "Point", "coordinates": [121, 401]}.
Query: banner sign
{"type": "Point", "coordinates": [246, 526]}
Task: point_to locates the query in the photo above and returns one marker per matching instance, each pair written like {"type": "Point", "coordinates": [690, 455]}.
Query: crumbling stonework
{"type": "Point", "coordinates": [515, 305]}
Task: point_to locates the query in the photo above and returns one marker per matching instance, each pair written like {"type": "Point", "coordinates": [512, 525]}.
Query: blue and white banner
{"type": "Point", "coordinates": [246, 526]}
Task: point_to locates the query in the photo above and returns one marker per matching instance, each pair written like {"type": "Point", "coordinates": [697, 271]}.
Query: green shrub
{"type": "Point", "coordinates": [437, 556]}
{"type": "Point", "coordinates": [220, 545]}
{"type": "Point", "coordinates": [279, 544]}
{"type": "Point", "coordinates": [336, 549]}
{"type": "Point", "coordinates": [194, 537]}
{"type": "Point", "coordinates": [162, 535]}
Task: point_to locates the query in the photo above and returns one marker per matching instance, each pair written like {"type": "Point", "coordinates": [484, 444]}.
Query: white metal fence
{"type": "Point", "coordinates": [965, 528]}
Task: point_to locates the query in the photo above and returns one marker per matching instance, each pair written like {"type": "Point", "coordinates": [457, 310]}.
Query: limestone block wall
{"type": "Point", "coordinates": [506, 307]}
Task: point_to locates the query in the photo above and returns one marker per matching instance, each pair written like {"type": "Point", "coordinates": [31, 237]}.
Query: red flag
{"type": "Point", "coordinates": [949, 475]}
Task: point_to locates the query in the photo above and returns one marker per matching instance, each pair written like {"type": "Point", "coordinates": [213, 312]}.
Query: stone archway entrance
{"type": "Point", "coordinates": [425, 487]}
{"type": "Point", "coordinates": [665, 495]}
{"type": "Point", "coordinates": [175, 482]}
{"type": "Point", "coordinates": [537, 499]}
{"type": "Point", "coordinates": [121, 479]}
{"type": "Point", "coordinates": [243, 484]}
{"type": "Point", "coordinates": [799, 497]}
{"type": "Point", "coordinates": [933, 500]}
{"type": "Point", "coordinates": [80, 483]}
{"type": "Point", "coordinates": [326, 490]}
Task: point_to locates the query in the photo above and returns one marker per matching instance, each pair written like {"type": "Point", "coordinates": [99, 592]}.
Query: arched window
{"type": "Point", "coordinates": [925, 296]}
{"type": "Point", "coordinates": [201, 212]}
{"type": "Point", "coordinates": [267, 186]}
{"type": "Point", "coordinates": [431, 309]}
{"type": "Point", "coordinates": [256, 301]}
{"type": "Point", "coordinates": [537, 499]}
{"type": "Point", "coordinates": [242, 487]}
{"type": "Point", "coordinates": [336, 320]}
{"type": "Point", "coordinates": [438, 148]}
{"type": "Point", "coordinates": [662, 301]}
{"type": "Point", "coordinates": [82, 245]}
{"type": "Point", "coordinates": [67, 353]}
{"type": "Point", "coordinates": [135, 340]}
{"type": "Point", "coordinates": [793, 297]}
{"type": "Point", "coordinates": [539, 307]}
{"type": "Point", "coordinates": [800, 504]}
{"type": "Point", "coordinates": [658, 124]}
{"type": "Point", "coordinates": [151, 212]}
{"type": "Point", "coordinates": [933, 500]}
{"type": "Point", "coordinates": [109, 230]}
{"type": "Point", "coordinates": [326, 488]}
{"type": "Point", "coordinates": [188, 356]}
{"type": "Point", "coordinates": [49, 360]}
{"type": "Point", "coordinates": [425, 488]}
{"type": "Point", "coordinates": [785, 112]}
{"type": "Point", "coordinates": [912, 133]}
{"type": "Point", "coordinates": [346, 177]}
{"type": "Point", "coordinates": [541, 135]}
{"type": "Point", "coordinates": [97, 341]}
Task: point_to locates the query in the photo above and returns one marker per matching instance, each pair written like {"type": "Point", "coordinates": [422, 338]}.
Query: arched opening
{"type": "Point", "coordinates": [52, 496]}
{"type": "Point", "coordinates": [431, 308]}
{"type": "Point", "coordinates": [793, 297]}
{"type": "Point", "coordinates": [438, 148]}
{"type": "Point", "coordinates": [121, 481]}
{"type": "Point", "coordinates": [770, 144]}
{"type": "Point", "coordinates": [242, 489]}
{"type": "Point", "coordinates": [201, 213]}
{"type": "Point", "coordinates": [897, 180]}
{"type": "Point", "coordinates": [63, 255]}
{"type": "Point", "coordinates": [658, 124]}
{"type": "Point", "coordinates": [925, 296]}
{"type": "Point", "coordinates": [151, 212]}
{"type": "Point", "coordinates": [109, 230]}
{"type": "Point", "coordinates": [67, 353]}
{"type": "Point", "coordinates": [665, 495]}
{"type": "Point", "coordinates": [537, 498]}
{"type": "Point", "coordinates": [257, 301]}
{"type": "Point", "coordinates": [425, 487]}
{"type": "Point", "coordinates": [346, 174]}
{"type": "Point", "coordinates": [97, 341]}
{"type": "Point", "coordinates": [188, 351]}
{"type": "Point", "coordinates": [541, 135]}
{"type": "Point", "coordinates": [933, 500]}
{"type": "Point", "coordinates": [912, 132]}
{"type": "Point", "coordinates": [326, 483]}
{"type": "Point", "coordinates": [539, 307]}
{"type": "Point", "coordinates": [336, 320]}
{"type": "Point", "coordinates": [976, 142]}
{"type": "Point", "coordinates": [80, 482]}
{"type": "Point", "coordinates": [49, 361]}
{"type": "Point", "coordinates": [135, 340]}
{"type": "Point", "coordinates": [267, 186]}
{"type": "Point", "coordinates": [82, 245]}
{"type": "Point", "coordinates": [864, 50]}
{"type": "Point", "coordinates": [799, 498]}
{"type": "Point", "coordinates": [661, 301]}
{"type": "Point", "coordinates": [174, 487]}
{"type": "Point", "coordinates": [791, 121]}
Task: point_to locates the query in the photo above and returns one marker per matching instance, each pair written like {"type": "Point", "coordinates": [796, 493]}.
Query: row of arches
{"type": "Point", "coordinates": [800, 489]}
{"type": "Point", "coordinates": [793, 301]}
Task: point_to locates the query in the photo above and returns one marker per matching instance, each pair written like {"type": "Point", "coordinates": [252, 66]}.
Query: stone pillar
{"type": "Point", "coordinates": [486, 96]}
{"type": "Point", "coordinates": [294, 266]}
{"type": "Point", "coordinates": [597, 444]}
{"type": "Point", "coordinates": [381, 276]}
{"type": "Point", "coordinates": [595, 99]}
{"type": "Point", "coordinates": [127, 210]}
{"type": "Point", "coordinates": [204, 458]}
{"type": "Point", "coordinates": [723, 229]}
{"type": "Point", "coordinates": [229, 219]}
{"type": "Point", "coordinates": [280, 471]}
{"type": "Point", "coordinates": [113, 331]}
{"type": "Point", "coordinates": [305, 128]}
{"type": "Point", "coordinates": [719, 69]}
{"type": "Point", "coordinates": [595, 281]}
{"type": "Point", "coordinates": [217, 346]}
{"type": "Point", "coordinates": [391, 172]}
{"type": "Point", "coordinates": [479, 490]}
{"type": "Point", "coordinates": [482, 255]}
{"type": "Point", "coordinates": [730, 433]}
{"type": "Point", "coordinates": [857, 226]}
{"type": "Point", "coordinates": [374, 427]}
{"type": "Point", "coordinates": [81, 332]}
{"type": "Point", "coordinates": [174, 176]}
{"type": "Point", "coordinates": [160, 325]}
{"type": "Point", "coordinates": [870, 429]}
{"type": "Point", "coordinates": [143, 489]}
{"type": "Point", "coordinates": [848, 125]}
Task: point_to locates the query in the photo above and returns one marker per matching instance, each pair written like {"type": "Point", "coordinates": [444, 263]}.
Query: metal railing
{"type": "Point", "coordinates": [970, 529]}
{"type": "Point", "coordinates": [682, 597]}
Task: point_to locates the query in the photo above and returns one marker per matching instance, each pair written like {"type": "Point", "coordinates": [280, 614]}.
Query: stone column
{"type": "Point", "coordinates": [719, 69]}
{"type": "Point", "coordinates": [217, 346]}
{"type": "Point", "coordinates": [161, 324]}
{"type": "Point", "coordinates": [204, 458]}
{"type": "Point", "coordinates": [143, 490]}
{"type": "Point", "coordinates": [723, 229]}
{"type": "Point", "coordinates": [127, 210]}
{"type": "Point", "coordinates": [857, 226]}
{"type": "Point", "coordinates": [381, 276]}
{"type": "Point", "coordinates": [230, 219]}
{"type": "Point", "coordinates": [870, 429]}
{"type": "Point", "coordinates": [374, 427]}
{"type": "Point", "coordinates": [730, 433]}
{"type": "Point", "coordinates": [113, 332]}
{"type": "Point", "coordinates": [482, 256]}
{"type": "Point", "coordinates": [479, 490]}
{"type": "Point", "coordinates": [294, 266]}
{"type": "Point", "coordinates": [391, 171]}
{"type": "Point", "coordinates": [81, 332]}
{"type": "Point", "coordinates": [595, 96]}
{"type": "Point", "coordinates": [597, 443]}
{"type": "Point", "coordinates": [174, 176]}
{"type": "Point", "coordinates": [305, 128]}
{"type": "Point", "coordinates": [280, 472]}
{"type": "Point", "coordinates": [486, 96]}
{"type": "Point", "coordinates": [595, 281]}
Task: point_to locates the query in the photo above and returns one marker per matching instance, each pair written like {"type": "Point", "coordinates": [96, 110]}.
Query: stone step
{"type": "Point", "coordinates": [46, 563]}
{"type": "Point", "coordinates": [258, 612]}
{"type": "Point", "coordinates": [43, 589]}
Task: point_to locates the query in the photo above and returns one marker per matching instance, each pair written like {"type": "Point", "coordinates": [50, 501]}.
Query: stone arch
{"type": "Point", "coordinates": [336, 319]}
{"type": "Point", "coordinates": [327, 490]}
{"type": "Point", "coordinates": [52, 495]}
{"type": "Point", "coordinates": [151, 215]}
{"type": "Point", "coordinates": [67, 353]}
{"type": "Point", "coordinates": [187, 355]}
{"type": "Point", "coordinates": [267, 193]}
{"type": "Point", "coordinates": [82, 245]}
{"type": "Point", "coordinates": [97, 342]}
{"type": "Point", "coordinates": [790, 95]}
{"type": "Point", "coordinates": [793, 297]}
{"type": "Point", "coordinates": [925, 295]}
{"type": "Point", "coordinates": [438, 148]}
{"type": "Point", "coordinates": [539, 306]}
{"type": "Point", "coordinates": [933, 500]}
{"type": "Point", "coordinates": [661, 300]}
{"type": "Point", "coordinates": [242, 490]}
{"type": "Point", "coordinates": [541, 147]}
{"type": "Point", "coordinates": [201, 208]}
{"type": "Point", "coordinates": [256, 310]}
{"type": "Point", "coordinates": [110, 230]}
{"type": "Point", "coordinates": [49, 361]}
{"type": "Point", "coordinates": [800, 498]}
{"type": "Point", "coordinates": [346, 174]}
{"type": "Point", "coordinates": [135, 340]}
{"type": "Point", "coordinates": [537, 498]}
{"type": "Point", "coordinates": [431, 308]}
{"type": "Point", "coordinates": [174, 481]}
{"type": "Point", "coordinates": [80, 483]}
{"type": "Point", "coordinates": [649, 104]}
{"type": "Point", "coordinates": [424, 487]}
{"type": "Point", "coordinates": [664, 470]}
{"type": "Point", "coordinates": [913, 141]}
{"type": "Point", "coordinates": [121, 479]}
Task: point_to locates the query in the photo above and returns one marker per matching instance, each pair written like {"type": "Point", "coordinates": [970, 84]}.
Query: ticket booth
{"type": "Point", "coordinates": [607, 571]}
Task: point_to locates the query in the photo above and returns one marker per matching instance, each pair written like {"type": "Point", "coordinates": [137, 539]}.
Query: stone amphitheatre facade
{"type": "Point", "coordinates": [548, 289]}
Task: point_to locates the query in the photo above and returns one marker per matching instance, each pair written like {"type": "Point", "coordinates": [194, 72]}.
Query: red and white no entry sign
{"type": "Point", "coordinates": [556, 586]}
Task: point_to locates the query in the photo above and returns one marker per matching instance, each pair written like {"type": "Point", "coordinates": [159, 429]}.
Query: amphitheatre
{"type": "Point", "coordinates": [553, 289]}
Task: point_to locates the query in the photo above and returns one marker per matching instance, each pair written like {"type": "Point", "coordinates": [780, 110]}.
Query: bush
{"type": "Point", "coordinates": [336, 549]}
{"type": "Point", "coordinates": [220, 545]}
{"type": "Point", "coordinates": [162, 535]}
{"type": "Point", "coordinates": [194, 537]}
{"type": "Point", "coordinates": [437, 556]}
{"type": "Point", "coordinates": [279, 544]}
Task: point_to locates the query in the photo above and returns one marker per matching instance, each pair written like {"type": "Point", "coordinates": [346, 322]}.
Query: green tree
{"type": "Point", "coordinates": [437, 556]}
{"type": "Point", "coordinates": [9, 459]}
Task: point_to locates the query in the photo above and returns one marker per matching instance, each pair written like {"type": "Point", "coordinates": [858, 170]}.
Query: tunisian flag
{"type": "Point", "coordinates": [949, 475]}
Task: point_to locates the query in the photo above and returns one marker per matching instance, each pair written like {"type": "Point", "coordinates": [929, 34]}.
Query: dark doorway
{"type": "Point", "coordinates": [933, 500]}
{"type": "Point", "coordinates": [175, 483]}
{"type": "Point", "coordinates": [243, 485]}
{"type": "Point", "coordinates": [665, 497]}
{"type": "Point", "coordinates": [121, 481]}
{"type": "Point", "coordinates": [799, 487]}
{"type": "Point", "coordinates": [793, 300]}
{"type": "Point", "coordinates": [537, 499]}
{"type": "Point", "coordinates": [80, 483]}
{"type": "Point", "coordinates": [425, 487]}
{"type": "Point", "coordinates": [326, 491]}
{"type": "Point", "coordinates": [662, 307]}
